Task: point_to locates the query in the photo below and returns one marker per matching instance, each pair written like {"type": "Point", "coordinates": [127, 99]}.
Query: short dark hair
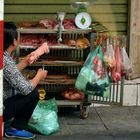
{"type": "Point", "coordinates": [10, 33]}
{"type": "Point", "coordinates": [10, 25]}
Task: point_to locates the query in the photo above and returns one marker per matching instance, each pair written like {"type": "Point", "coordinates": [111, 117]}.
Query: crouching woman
{"type": "Point", "coordinates": [19, 94]}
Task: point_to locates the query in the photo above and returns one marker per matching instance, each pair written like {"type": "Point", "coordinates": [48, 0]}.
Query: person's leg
{"type": "Point", "coordinates": [20, 108]}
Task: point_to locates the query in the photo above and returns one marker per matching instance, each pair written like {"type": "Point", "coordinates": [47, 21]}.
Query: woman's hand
{"type": "Point", "coordinates": [42, 74]}
{"type": "Point", "coordinates": [25, 60]}
{"type": "Point", "coordinates": [23, 63]}
{"type": "Point", "coordinates": [44, 48]}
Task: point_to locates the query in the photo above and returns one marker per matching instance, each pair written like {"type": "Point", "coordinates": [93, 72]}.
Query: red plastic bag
{"type": "Point", "coordinates": [116, 71]}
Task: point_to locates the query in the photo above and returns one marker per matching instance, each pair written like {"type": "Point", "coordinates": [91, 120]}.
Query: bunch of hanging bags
{"type": "Point", "coordinates": [93, 78]}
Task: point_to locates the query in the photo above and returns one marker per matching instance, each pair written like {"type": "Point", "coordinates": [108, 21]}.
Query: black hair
{"type": "Point", "coordinates": [10, 33]}
{"type": "Point", "coordinates": [10, 25]}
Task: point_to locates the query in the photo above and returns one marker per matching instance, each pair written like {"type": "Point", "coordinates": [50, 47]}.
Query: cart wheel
{"type": "Point", "coordinates": [84, 112]}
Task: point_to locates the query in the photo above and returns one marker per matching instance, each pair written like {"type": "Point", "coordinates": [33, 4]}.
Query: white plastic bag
{"type": "Point", "coordinates": [126, 63]}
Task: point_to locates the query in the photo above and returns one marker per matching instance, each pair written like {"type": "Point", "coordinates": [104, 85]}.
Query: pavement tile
{"type": "Point", "coordinates": [103, 123]}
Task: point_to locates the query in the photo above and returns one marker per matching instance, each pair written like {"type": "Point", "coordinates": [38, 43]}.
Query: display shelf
{"type": "Point", "coordinates": [63, 63]}
{"type": "Point", "coordinates": [50, 31]}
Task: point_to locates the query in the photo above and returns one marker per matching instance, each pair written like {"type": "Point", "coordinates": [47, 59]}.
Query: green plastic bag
{"type": "Point", "coordinates": [44, 119]}
{"type": "Point", "coordinates": [93, 78]}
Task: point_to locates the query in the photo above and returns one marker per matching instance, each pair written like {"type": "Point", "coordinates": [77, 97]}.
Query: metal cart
{"type": "Point", "coordinates": [63, 61]}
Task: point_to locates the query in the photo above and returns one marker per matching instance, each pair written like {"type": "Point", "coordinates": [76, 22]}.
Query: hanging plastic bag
{"type": "Point", "coordinates": [116, 71]}
{"type": "Point", "coordinates": [109, 55]}
{"type": "Point", "coordinates": [93, 77]}
{"type": "Point", "coordinates": [44, 119]}
{"type": "Point", "coordinates": [126, 64]}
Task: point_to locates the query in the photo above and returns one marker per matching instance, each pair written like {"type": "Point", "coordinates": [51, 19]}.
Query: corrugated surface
{"type": "Point", "coordinates": [64, 1]}
{"type": "Point", "coordinates": [102, 11]}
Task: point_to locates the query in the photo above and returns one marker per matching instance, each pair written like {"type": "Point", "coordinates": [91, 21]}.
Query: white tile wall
{"type": "Point", "coordinates": [138, 101]}
{"type": "Point", "coordinates": [131, 92]}
{"type": "Point", "coordinates": [130, 95]}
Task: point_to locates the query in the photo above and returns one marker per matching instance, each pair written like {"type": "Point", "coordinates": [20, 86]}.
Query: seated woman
{"type": "Point", "coordinates": [19, 94]}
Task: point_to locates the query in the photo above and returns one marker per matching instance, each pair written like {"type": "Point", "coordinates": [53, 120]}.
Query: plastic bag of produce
{"type": "Point", "coordinates": [109, 56]}
{"type": "Point", "coordinates": [44, 119]}
{"type": "Point", "coordinates": [93, 77]}
{"type": "Point", "coordinates": [126, 63]}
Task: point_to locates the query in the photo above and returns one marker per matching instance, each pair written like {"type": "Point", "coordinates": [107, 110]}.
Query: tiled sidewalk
{"type": "Point", "coordinates": [103, 123]}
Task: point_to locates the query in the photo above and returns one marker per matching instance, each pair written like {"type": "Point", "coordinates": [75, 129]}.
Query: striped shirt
{"type": "Point", "coordinates": [13, 80]}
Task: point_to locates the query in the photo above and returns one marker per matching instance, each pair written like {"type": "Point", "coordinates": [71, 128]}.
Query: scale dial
{"type": "Point", "coordinates": [83, 20]}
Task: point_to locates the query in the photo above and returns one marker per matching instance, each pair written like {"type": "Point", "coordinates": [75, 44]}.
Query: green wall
{"type": "Point", "coordinates": [113, 14]}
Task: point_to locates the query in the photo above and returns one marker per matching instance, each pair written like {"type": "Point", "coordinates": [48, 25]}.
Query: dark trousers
{"type": "Point", "coordinates": [20, 108]}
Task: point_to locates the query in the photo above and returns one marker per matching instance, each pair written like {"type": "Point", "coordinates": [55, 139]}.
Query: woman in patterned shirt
{"type": "Point", "coordinates": [19, 94]}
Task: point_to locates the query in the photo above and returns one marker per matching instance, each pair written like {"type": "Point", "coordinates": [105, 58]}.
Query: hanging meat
{"type": "Point", "coordinates": [116, 71]}
{"type": "Point", "coordinates": [38, 52]}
